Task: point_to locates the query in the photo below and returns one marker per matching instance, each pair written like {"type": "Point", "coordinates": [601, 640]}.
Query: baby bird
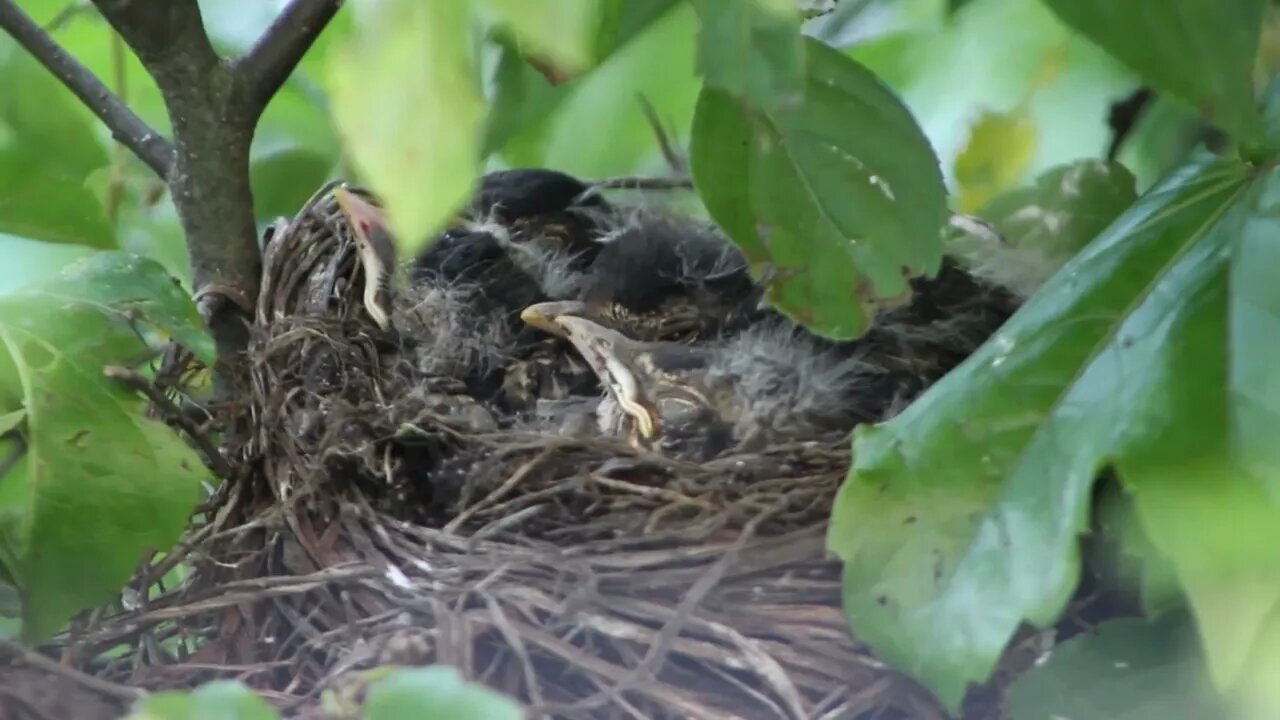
{"type": "Point", "coordinates": [774, 381]}
{"type": "Point", "coordinates": [769, 384]}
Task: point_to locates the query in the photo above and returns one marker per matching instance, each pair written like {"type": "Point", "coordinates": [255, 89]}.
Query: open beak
{"type": "Point", "coordinates": [543, 315]}
{"type": "Point", "coordinates": [376, 249]}
{"type": "Point", "coordinates": [609, 353]}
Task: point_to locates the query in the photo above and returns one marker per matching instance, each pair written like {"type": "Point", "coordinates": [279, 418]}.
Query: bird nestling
{"type": "Point", "coordinates": [376, 250]}
{"type": "Point", "coordinates": [768, 384]}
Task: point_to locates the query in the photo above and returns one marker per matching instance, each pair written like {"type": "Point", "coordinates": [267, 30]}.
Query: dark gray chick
{"type": "Point", "coordinates": [768, 384]}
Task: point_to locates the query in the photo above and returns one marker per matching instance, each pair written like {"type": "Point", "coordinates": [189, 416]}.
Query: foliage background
{"type": "Point", "coordinates": [1037, 98]}
{"type": "Point", "coordinates": [1003, 89]}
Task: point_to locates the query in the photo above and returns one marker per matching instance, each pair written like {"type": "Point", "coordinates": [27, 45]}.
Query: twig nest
{"type": "Point", "coordinates": [386, 517]}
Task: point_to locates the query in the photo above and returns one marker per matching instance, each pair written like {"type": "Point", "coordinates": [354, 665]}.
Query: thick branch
{"type": "Point", "coordinates": [166, 34]}
{"type": "Point", "coordinates": [214, 107]}
{"type": "Point", "coordinates": [126, 127]}
{"type": "Point", "coordinates": [209, 181]}
{"type": "Point", "coordinates": [268, 64]}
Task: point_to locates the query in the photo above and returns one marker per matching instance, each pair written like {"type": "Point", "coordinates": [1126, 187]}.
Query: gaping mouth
{"type": "Point", "coordinates": [376, 250]}
{"type": "Point", "coordinates": [544, 315]}
{"type": "Point", "coordinates": [603, 349]}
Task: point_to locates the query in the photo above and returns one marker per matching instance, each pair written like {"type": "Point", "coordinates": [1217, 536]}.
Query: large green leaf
{"type": "Point", "coordinates": [47, 151]}
{"type": "Point", "coordinates": [752, 49]}
{"type": "Point", "coordinates": [436, 692]}
{"type": "Point", "coordinates": [841, 197]}
{"type": "Point", "coordinates": [1200, 50]}
{"type": "Point", "coordinates": [1123, 670]}
{"type": "Point", "coordinates": [960, 517]}
{"type": "Point", "coordinates": [103, 483]}
{"type": "Point", "coordinates": [217, 700]}
{"type": "Point", "coordinates": [410, 111]}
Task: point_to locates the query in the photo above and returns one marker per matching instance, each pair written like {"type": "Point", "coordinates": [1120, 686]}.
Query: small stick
{"type": "Point", "coordinates": [40, 662]}
{"type": "Point", "coordinates": [173, 414]}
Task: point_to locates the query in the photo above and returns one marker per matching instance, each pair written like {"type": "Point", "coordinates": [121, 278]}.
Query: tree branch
{"type": "Point", "coordinates": [167, 36]}
{"type": "Point", "coordinates": [270, 61]}
{"type": "Point", "coordinates": [214, 106]}
{"type": "Point", "coordinates": [126, 127]}
{"type": "Point", "coordinates": [209, 180]}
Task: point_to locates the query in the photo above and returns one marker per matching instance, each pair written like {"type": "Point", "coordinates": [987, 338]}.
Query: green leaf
{"type": "Point", "coordinates": [960, 517]}
{"type": "Point", "coordinates": [522, 98]}
{"type": "Point", "coordinates": [598, 129]}
{"type": "Point", "coordinates": [11, 420]}
{"type": "Point", "coordinates": [103, 483]}
{"type": "Point", "coordinates": [621, 20]}
{"type": "Point", "coordinates": [217, 700]}
{"type": "Point", "coordinates": [410, 111]}
{"type": "Point", "coordinates": [284, 179]}
{"type": "Point", "coordinates": [752, 49]}
{"type": "Point", "coordinates": [436, 692]}
{"type": "Point", "coordinates": [47, 152]}
{"type": "Point", "coordinates": [562, 30]}
{"type": "Point", "coordinates": [842, 196]}
{"type": "Point", "coordinates": [1123, 670]}
{"type": "Point", "coordinates": [1202, 51]}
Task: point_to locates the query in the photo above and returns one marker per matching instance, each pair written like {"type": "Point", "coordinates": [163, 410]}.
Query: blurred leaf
{"type": "Point", "coordinates": [960, 517]}
{"type": "Point", "coordinates": [1000, 147]}
{"type": "Point", "coordinates": [1047, 223]}
{"type": "Point", "coordinates": [1123, 670]}
{"type": "Point", "coordinates": [1203, 51]}
{"type": "Point", "coordinates": [954, 6]}
{"type": "Point", "coordinates": [47, 151]}
{"type": "Point", "coordinates": [410, 112]}
{"type": "Point", "coordinates": [436, 692]}
{"type": "Point", "coordinates": [598, 128]}
{"type": "Point", "coordinates": [752, 49]}
{"type": "Point", "coordinates": [34, 260]}
{"type": "Point", "coordinates": [217, 700]}
{"type": "Point", "coordinates": [948, 73]}
{"type": "Point", "coordinates": [523, 98]}
{"type": "Point", "coordinates": [283, 180]}
{"type": "Point", "coordinates": [562, 30]}
{"type": "Point", "coordinates": [103, 482]}
{"type": "Point", "coordinates": [156, 232]}
{"type": "Point", "coordinates": [1066, 208]}
{"type": "Point", "coordinates": [11, 420]}
{"type": "Point", "coordinates": [1162, 138]}
{"type": "Point", "coordinates": [622, 20]}
{"type": "Point", "coordinates": [840, 197]}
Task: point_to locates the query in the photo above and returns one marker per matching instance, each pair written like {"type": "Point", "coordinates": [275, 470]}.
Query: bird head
{"type": "Point", "coordinates": [375, 247]}
{"type": "Point", "coordinates": [661, 398]}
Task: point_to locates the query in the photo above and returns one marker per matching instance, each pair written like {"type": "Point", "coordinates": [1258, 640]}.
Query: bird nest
{"type": "Point", "coordinates": [374, 516]}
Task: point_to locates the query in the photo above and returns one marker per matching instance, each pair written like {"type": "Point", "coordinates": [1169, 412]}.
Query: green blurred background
{"type": "Point", "coordinates": [1001, 88]}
